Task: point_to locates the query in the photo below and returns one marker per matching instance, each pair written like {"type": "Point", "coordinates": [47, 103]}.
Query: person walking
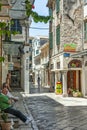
{"type": "Point", "coordinates": [38, 81]}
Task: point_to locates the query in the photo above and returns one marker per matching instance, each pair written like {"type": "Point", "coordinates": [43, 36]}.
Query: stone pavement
{"type": "Point", "coordinates": [66, 101]}
{"type": "Point", "coordinates": [52, 112]}
{"type": "Point", "coordinates": [21, 105]}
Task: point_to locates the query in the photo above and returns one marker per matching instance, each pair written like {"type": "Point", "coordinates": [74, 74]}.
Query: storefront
{"type": "Point", "coordinates": [83, 72]}
{"type": "Point", "coordinates": [69, 72]}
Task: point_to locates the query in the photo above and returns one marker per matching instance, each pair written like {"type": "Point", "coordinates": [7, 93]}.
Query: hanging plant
{"type": "Point", "coordinates": [4, 31]}
{"type": "Point", "coordinates": [37, 18]}
{"type": "Point", "coordinates": [2, 59]}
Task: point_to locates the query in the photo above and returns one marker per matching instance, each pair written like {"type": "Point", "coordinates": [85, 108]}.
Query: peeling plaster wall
{"type": "Point", "coordinates": [72, 24]}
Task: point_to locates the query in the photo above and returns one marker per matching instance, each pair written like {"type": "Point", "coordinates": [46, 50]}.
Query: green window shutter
{"type": "Point", "coordinates": [30, 58]}
{"type": "Point", "coordinates": [57, 6]}
{"type": "Point", "coordinates": [51, 40]}
{"type": "Point", "coordinates": [58, 35]}
{"type": "Point", "coordinates": [85, 31]}
{"type": "Point", "coordinates": [37, 51]}
{"type": "Point", "coordinates": [50, 12]}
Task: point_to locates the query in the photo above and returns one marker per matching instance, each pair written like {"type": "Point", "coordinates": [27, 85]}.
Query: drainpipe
{"type": "Point", "coordinates": [83, 67]}
{"type": "Point", "coordinates": [1, 62]}
{"type": "Point", "coordinates": [83, 27]}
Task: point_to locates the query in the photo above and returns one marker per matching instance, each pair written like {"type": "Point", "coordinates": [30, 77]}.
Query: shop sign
{"type": "Point", "coordinates": [70, 47]}
{"type": "Point", "coordinates": [10, 66]}
{"type": "Point", "coordinates": [66, 54]}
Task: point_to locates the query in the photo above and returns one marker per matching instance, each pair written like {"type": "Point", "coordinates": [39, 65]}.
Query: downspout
{"type": "Point", "coordinates": [83, 68]}
{"type": "Point", "coordinates": [83, 26]}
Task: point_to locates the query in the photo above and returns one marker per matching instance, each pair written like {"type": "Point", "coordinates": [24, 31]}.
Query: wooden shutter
{"type": "Point", "coordinates": [85, 31]}
{"type": "Point", "coordinates": [57, 6]}
{"type": "Point", "coordinates": [58, 35]}
{"type": "Point", "coordinates": [51, 40]}
{"type": "Point", "coordinates": [50, 12]}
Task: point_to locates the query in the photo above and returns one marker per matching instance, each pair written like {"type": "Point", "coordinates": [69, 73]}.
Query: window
{"type": "Point", "coordinates": [85, 31]}
{"type": "Point", "coordinates": [51, 40]}
{"type": "Point", "coordinates": [16, 26]}
{"type": "Point", "coordinates": [9, 58]}
{"type": "Point", "coordinates": [30, 40]}
{"type": "Point", "coordinates": [58, 65]}
{"type": "Point", "coordinates": [37, 51]}
{"type": "Point", "coordinates": [51, 66]}
{"type": "Point", "coordinates": [85, 1]}
{"type": "Point", "coordinates": [50, 12]}
{"type": "Point", "coordinates": [30, 58]}
{"type": "Point", "coordinates": [30, 66]}
{"type": "Point", "coordinates": [57, 6]}
{"type": "Point", "coordinates": [58, 35]}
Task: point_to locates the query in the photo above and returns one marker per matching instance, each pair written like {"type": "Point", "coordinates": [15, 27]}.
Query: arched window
{"type": "Point", "coordinates": [75, 64]}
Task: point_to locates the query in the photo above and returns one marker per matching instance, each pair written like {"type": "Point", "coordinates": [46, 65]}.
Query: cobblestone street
{"type": "Point", "coordinates": [51, 115]}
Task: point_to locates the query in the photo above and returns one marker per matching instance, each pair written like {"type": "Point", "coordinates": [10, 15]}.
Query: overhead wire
{"type": "Point", "coordinates": [39, 28]}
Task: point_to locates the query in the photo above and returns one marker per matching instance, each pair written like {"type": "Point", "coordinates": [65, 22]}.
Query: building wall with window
{"type": "Point", "coordinates": [4, 17]}
{"type": "Point", "coordinates": [85, 25]}
{"type": "Point", "coordinates": [65, 37]}
{"type": "Point", "coordinates": [17, 26]}
{"type": "Point", "coordinates": [37, 42]}
{"type": "Point", "coordinates": [45, 64]}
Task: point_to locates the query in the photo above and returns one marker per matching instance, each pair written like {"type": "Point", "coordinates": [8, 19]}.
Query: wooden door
{"type": "Point", "coordinates": [71, 79]}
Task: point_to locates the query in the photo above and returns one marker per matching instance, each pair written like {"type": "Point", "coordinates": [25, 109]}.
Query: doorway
{"type": "Point", "coordinates": [74, 79]}
{"type": "Point", "coordinates": [15, 79]}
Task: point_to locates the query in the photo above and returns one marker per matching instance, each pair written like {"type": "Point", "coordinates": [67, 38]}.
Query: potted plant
{"type": "Point", "coordinates": [74, 92]}
{"type": "Point", "coordinates": [70, 92]}
{"type": "Point", "coordinates": [77, 93]}
{"type": "Point", "coordinates": [5, 123]}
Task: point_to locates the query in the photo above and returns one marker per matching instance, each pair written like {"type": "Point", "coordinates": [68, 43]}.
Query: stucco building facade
{"type": "Point", "coordinates": [66, 39]}
{"type": "Point", "coordinates": [38, 60]}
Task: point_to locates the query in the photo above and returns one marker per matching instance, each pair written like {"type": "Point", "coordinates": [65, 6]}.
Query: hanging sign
{"type": "Point", "coordinates": [70, 47]}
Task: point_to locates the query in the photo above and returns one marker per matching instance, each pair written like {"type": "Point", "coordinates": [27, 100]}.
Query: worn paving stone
{"type": "Point", "coordinates": [51, 115]}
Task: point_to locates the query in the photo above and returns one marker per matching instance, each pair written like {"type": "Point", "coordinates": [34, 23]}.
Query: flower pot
{"type": "Point", "coordinates": [6, 126]}
{"type": "Point", "coordinates": [75, 94]}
